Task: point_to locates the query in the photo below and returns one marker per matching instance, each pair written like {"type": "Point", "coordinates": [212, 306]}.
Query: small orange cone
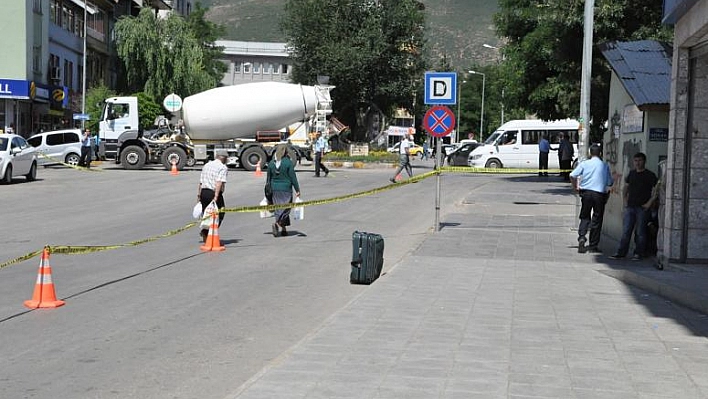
{"type": "Point", "coordinates": [44, 295]}
{"type": "Point", "coordinates": [258, 173]}
{"type": "Point", "coordinates": [398, 177]}
{"type": "Point", "coordinates": [174, 171]}
{"type": "Point", "coordinates": [213, 243]}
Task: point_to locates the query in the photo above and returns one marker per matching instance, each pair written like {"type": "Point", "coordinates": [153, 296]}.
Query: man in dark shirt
{"type": "Point", "coordinates": [638, 199]}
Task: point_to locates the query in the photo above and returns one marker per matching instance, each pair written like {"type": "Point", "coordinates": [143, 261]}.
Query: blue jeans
{"type": "Point", "coordinates": [634, 220]}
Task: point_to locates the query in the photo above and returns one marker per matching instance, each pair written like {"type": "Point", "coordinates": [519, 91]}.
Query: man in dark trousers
{"type": "Point", "coordinates": [544, 147]}
{"type": "Point", "coordinates": [85, 159]}
{"type": "Point", "coordinates": [320, 148]}
{"type": "Point", "coordinates": [592, 179]}
{"type": "Point", "coordinates": [638, 200]}
{"type": "Point", "coordinates": [565, 156]}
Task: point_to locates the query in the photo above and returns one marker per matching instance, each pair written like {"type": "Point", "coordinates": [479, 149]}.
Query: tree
{"type": "Point", "coordinates": [371, 50]}
{"type": "Point", "coordinates": [207, 33]}
{"type": "Point", "coordinates": [163, 55]}
{"type": "Point", "coordinates": [543, 51]}
{"type": "Point", "coordinates": [95, 97]}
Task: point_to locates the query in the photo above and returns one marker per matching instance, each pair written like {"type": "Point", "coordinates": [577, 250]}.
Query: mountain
{"type": "Point", "coordinates": [457, 28]}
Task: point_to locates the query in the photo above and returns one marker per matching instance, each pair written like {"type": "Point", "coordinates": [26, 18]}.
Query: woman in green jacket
{"type": "Point", "coordinates": [282, 179]}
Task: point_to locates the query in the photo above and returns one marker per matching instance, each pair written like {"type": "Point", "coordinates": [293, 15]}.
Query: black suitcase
{"type": "Point", "coordinates": [367, 257]}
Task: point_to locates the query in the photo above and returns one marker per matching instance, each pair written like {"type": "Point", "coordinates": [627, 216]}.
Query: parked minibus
{"type": "Point", "coordinates": [515, 144]}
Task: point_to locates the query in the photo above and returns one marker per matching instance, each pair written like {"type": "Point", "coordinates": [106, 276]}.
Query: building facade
{"type": "Point", "coordinates": [255, 62]}
{"type": "Point", "coordinates": [685, 226]}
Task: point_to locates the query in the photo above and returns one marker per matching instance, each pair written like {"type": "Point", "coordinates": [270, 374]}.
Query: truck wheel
{"type": "Point", "coordinates": [191, 161]}
{"type": "Point", "coordinates": [251, 157]}
{"type": "Point", "coordinates": [493, 163]}
{"type": "Point", "coordinates": [176, 155]}
{"type": "Point", "coordinates": [132, 157]}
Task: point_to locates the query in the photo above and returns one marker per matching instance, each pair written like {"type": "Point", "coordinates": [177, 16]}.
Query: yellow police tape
{"type": "Point", "coordinates": [74, 249]}
{"type": "Point", "coordinates": [77, 167]}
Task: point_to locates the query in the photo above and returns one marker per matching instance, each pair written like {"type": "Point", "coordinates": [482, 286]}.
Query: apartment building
{"type": "Point", "coordinates": [255, 62]}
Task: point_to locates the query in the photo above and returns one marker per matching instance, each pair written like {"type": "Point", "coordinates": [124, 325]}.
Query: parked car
{"type": "Point", "coordinates": [17, 158]}
{"type": "Point", "coordinates": [57, 146]}
{"type": "Point", "coordinates": [460, 156]}
{"type": "Point", "coordinates": [413, 150]}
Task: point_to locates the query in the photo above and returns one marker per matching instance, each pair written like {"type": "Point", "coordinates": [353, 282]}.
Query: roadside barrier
{"type": "Point", "coordinates": [75, 250]}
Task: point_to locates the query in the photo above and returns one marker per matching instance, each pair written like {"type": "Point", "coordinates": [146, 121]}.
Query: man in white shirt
{"type": "Point", "coordinates": [320, 147]}
{"type": "Point", "coordinates": [212, 182]}
{"type": "Point", "coordinates": [404, 158]}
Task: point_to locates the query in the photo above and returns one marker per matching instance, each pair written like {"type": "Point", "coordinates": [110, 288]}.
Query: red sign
{"type": "Point", "coordinates": [439, 121]}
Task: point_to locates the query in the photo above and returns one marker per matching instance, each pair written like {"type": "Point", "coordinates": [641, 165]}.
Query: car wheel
{"type": "Point", "coordinates": [493, 163]}
{"type": "Point", "coordinates": [7, 177]}
{"type": "Point", "coordinates": [32, 175]}
{"type": "Point", "coordinates": [72, 159]}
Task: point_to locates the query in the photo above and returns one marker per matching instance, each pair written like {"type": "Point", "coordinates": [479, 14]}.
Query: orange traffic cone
{"type": "Point", "coordinates": [258, 173]}
{"type": "Point", "coordinates": [212, 242]}
{"type": "Point", "coordinates": [398, 177]}
{"type": "Point", "coordinates": [44, 295]}
{"type": "Point", "coordinates": [174, 171]}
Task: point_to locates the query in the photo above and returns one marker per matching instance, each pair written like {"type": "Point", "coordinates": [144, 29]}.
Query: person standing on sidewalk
{"type": "Point", "coordinates": [404, 160]}
{"type": "Point", "coordinates": [565, 156]}
{"type": "Point", "coordinates": [592, 179]}
{"type": "Point", "coordinates": [544, 147]}
{"type": "Point", "coordinates": [212, 183]}
{"type": "Point", "coordinates": [85, 159]}
{"type": "Point", "coordinates": [320, 148]}
{"type": "Point", "coordinates": [638, 200]}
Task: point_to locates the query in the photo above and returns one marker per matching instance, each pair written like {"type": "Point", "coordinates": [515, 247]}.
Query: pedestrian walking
{"type": "Point", "coordinates": [283, 180]}
{"type": "Point", "coordinates": [592, 180]}
{"type": "Point", "coordinates": [544, 147]}
{"type": "Point", "coordinates": [212, 183]}
{"type": "Point", "coordinates": [638, 200]}
{"type": "Point", "coordinates": [404, 161]}
{"type": "Point", "coordinates": [320, 148]}
{"type": "Point", "coordinates": [565, 156]}
{"type": "Point", "coordinates": [426, 148]}
{"type": "Point", "coordinates": [85, 159]}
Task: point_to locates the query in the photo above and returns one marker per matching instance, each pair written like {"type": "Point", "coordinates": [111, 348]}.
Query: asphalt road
{"type": "Point", "coordinates": [163, 319]}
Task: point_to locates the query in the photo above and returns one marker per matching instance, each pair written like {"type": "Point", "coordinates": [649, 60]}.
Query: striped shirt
{"type": "Point", "coordinates": [214, 171]}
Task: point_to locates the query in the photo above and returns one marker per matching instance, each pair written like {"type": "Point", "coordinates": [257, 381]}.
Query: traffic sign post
{"type": "Point", "coordinates": [439, 121]}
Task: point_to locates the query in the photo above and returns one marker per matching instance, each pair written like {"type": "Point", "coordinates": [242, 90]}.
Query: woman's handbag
{"type": "Point", "coordinates": [268, 191]}
{"type": "Point", "coordinates": [298, 212]}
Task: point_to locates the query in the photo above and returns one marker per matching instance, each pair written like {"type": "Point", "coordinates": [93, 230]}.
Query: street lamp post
{"type": "Point", "coordinates": [481, 112]}
{"type": "Point", "coordinates": [489, 46]}
{"type": "Point", "coordinates": [83, 77]}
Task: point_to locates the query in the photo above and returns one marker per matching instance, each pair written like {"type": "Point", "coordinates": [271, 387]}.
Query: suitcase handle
{"type": "Point", "coordinates": [357, 263]}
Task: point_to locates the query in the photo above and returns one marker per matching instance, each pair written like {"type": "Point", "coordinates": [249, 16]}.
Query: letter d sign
{"type": "Point", "coordinates": [441, 88]}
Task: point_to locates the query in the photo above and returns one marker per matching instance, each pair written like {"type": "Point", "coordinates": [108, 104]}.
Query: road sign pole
{"type": "Point", "coordinates": [438, 164]}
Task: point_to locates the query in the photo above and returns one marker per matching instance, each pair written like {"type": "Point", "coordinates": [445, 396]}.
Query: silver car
{"type": "Point", "coordinates": [17, 158]}
{"type": "Point", "coordinates": [57, 146]}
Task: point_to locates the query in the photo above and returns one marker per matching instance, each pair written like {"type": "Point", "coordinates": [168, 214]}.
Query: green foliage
{"type": "Point", "coordinates": [372, 51]}
{"type": "Point", "coordinates": [207, 33]}
{"type": "Point", "coordinates": [149, 109]}
{"type": "Point", "coordinates": [374, 156]}
{"type": "Point", "coordinates": [163, 56]}
{"type": "Point", "coordinates": [543, 52]}
{"type": "Point", "coordinates": [94, 104]}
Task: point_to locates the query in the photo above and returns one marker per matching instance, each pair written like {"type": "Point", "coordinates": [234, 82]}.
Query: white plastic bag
{"type": "Point", "coordinates": [211, 208]}
{"type": "Point", "coordinates": [298, 212]}
{"type": "Point", "coordinates": [197, 211]}
{"type": "Point", "coordinates": [265, 214]}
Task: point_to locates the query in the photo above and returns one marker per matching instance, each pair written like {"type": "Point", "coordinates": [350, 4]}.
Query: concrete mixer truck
{"type": "Point", "coordinates": [246, 120]}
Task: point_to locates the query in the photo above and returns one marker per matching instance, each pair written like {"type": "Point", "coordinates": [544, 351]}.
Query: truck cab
{"type": "Point", "coordinates": [119, 114]}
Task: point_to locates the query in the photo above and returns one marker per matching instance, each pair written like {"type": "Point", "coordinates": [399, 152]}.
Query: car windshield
{"type": "Point", "coordinates": [491, 139]}
{"type": "Point", "coordinates": [3, 143]}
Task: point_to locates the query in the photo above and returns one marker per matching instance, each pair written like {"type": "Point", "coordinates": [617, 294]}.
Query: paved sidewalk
{"type": "Point", "coordinates": [499, 304]}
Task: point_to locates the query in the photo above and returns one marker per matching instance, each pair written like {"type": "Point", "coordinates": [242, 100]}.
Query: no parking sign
{"type": "Point", "coordinates": [439, 121]}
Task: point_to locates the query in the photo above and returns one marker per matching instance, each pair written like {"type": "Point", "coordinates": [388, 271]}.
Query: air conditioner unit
{"type": "Point", "coordinates": [54, 73]}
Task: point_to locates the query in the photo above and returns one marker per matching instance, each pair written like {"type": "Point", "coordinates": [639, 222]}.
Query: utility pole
{"type": "Point", "coordinates": [586, 74]}
{"type": "Point", "coordinates": [83, 77]}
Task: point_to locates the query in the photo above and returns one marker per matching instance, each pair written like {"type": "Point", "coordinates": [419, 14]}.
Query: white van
{"type": "Point", "coordinates": [58, 146]}
{"type": "Point", "coordinates": [515, 144]}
